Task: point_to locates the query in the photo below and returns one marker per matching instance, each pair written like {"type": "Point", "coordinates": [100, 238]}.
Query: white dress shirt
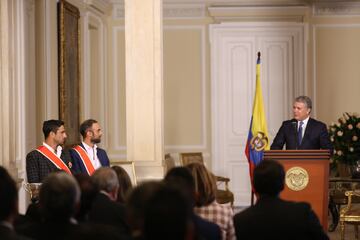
{"type": "Point", "coordinates": [92, 152]}
{"type": "Point", "coordinates": [305, 122]}
{"type": "Point", "coordinates": [57, 152]}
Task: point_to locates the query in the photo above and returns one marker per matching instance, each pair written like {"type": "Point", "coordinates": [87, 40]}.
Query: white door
{"type": "Point", "coordinates": [234, 48]}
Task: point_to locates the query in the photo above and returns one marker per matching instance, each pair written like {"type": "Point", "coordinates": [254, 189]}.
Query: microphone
{"type": "Point", "coordinates": [294, 123]}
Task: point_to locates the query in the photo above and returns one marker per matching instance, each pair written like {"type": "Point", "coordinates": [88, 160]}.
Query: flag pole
{"type": "Point", "coordinates": [252, 188]}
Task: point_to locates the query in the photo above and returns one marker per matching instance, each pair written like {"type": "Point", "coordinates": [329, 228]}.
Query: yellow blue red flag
{"type": "Point", "coordinates": [258, 138]}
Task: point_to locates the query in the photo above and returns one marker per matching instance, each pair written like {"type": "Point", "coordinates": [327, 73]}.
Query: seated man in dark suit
{"type": "Point", "coordinates": [272, 217]}
{"type": "Point", "coordinates": [49, 157]}
{"type": "Point", "coordinates": [59, 198]}
{"type": "Point", "coordinates": [302, 132]}
{"type": "Point", "coordinates": [87, 157]}
{"type": "Point", "coordinates": [8, 206]}
{"type": "Point", "coordinates": [105, 209]}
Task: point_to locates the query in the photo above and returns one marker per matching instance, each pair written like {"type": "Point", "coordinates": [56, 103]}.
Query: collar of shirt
{"type": "Point", "coordinates": [91, 152]}
{"type": "Point", "coordinates": [106, 194]}
{"type": "Point", "coordinates": [58, 149]}
{"type": "Point", "coordinates": [305, 122]}
{"type": "Point", "coordinates": [7, 224]}
{"type": "Point", "coordinates": [88, 148]}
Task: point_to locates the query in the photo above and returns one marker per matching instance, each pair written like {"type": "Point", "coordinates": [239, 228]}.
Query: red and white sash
{"type": "Point", "coordinates": [85, 159]}
{"type": "Point", "coordinates": [53, 158]}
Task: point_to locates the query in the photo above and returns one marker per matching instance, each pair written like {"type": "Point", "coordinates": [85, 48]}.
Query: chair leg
{"type": "Point", "coordinates": [342, 230]}
{"type": "Point", "coordinates": [356, 228]}
{"type": "Point", "coordinates": [334, 214]}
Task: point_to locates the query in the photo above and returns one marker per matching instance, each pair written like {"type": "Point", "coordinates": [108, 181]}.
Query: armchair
{"type": "Point", "coordinates": [169, 162]}
{"type": "Point", "coordinates": [350, 214]}
{"type": "Point", "coordinates": [222, 195]}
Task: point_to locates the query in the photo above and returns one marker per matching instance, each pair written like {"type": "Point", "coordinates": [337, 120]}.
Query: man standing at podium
{"type": "Point", "coordinates": [302, 132]}
{"type": "Point", "coordinates": [275, 218]}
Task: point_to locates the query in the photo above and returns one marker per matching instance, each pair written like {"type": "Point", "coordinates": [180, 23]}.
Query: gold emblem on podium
{"type": "Point", "coordinates": [297, 178]}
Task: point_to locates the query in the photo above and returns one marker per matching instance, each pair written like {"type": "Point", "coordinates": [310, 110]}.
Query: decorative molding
{"type": "Point", "coordinates": [204, 124]}
{"type": "Point", "coordinates": [259, 13]}
{"type": "Point", "coordinates": [117, 146]}
{"type": "Point", "coordinates": [336, 8]}
{"type": "Point", "coordinates": [314, 28]}
{"type": "Point", "coordinates": [173, 148]}
{"type": "Point", "coordinates": [233, 2]}
{"type": "Point", "coordinates": [29, 7]}
{"type": "Point", "coordinates": [104, 6]}
{"type": "Point", "coordinates": [118, 11]}
{"type": "Point", "coordinates": [170, 11]}
{"type": "Point", "coordinates": [183, 11]}
{"type": "Point", "coordinates": [92, 19]}
{"type": "Point", "coordinates": [116, 157]}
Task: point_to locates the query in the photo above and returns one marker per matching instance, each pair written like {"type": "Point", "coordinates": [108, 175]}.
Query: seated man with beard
{"type": "Point", "coordinates": [87, 157]}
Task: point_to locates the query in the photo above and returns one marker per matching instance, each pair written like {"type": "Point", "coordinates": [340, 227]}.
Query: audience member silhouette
{"type": "Point", "coordinates": [105, 209]}
{"type": "Point", "coordinates": [272, 217]}
{"type": "Point", "coordinates": [181, 177]}
{"type": "Point", "coordinates": [8, 206]}
{"type": "Point", "coordinates": [206, 205]}
{"type": "Point", "coordinates": [88, 194]}
{"type": "Point", "coordinates": [135, 206]}
{"type": "Point", "coordinates": [125, 184]}
{"type": "Point", "coordinates": [59, 199]}
{"type": "Point", "coordinates": [168, 215]}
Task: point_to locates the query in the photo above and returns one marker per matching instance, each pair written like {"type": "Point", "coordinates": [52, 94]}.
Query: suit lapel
{"type": "Point", "coordinates": [81, 145]}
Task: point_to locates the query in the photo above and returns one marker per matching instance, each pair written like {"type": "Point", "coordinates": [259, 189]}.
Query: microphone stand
{"type": "Point", "coordinates": [294, 123]}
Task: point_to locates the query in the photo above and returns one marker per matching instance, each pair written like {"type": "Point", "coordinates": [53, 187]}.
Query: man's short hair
{"type": "Point", "coordinates": [105, 179]}
{"type": "Point", "coordinates": [86, 126]}
{"type": "Point", "coordinates": [269, 178]}
{"type": "Point", "coordinates": [59, 195]}
{"type": "Point", "coordinates": [181, 174]}
{"type": "Point", "coordinates": [182, 178]}
{"type": "Point", "coordinates": [137, 201]}
{"type": "Point", "coordinates": [51, 126]}
{"type": "Point", "coordinates": [8, 195]}
{"type": "Point", "coordinates": [167, 215]}
{"type": "Point", "coordinates": [304, 99]}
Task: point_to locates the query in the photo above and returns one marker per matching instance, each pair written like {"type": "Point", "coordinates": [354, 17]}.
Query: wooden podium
{"type": "Point", "coordinates": [311, 185]}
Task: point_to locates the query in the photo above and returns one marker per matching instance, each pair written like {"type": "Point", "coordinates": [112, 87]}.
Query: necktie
{"type": "Point", "coordinates": [300, 132]}
{"type": "Point", "coordinates": [94, 154]}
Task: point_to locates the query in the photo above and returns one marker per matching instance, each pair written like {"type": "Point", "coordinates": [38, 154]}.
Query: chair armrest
{"type": "Point", "coordinates": [349, 195]}
{"type": "Point", "coordinates": [222, 179]}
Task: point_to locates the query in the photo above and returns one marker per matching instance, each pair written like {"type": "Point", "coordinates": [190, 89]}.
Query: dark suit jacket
{"type": "Point", "coordinates": [206, 230]}
{"type": "Point", "coordinates": [108, 212]}
{"type": "Point", "coordinates": [9, 234]}
{"type": "Point", "coordinates": [315, 137]}
{"type": "Point", "coordinates": [49, 230]}
{"type": "Point", "coordinates": [273, 218]}
{"type": "Point", "coordinates": [78, 165]}
{"type": "Point", "coordinates": [38, 166]}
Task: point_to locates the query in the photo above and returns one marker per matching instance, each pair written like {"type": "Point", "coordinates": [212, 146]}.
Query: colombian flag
{"type": "Point", "coordinates": [258, 138]}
